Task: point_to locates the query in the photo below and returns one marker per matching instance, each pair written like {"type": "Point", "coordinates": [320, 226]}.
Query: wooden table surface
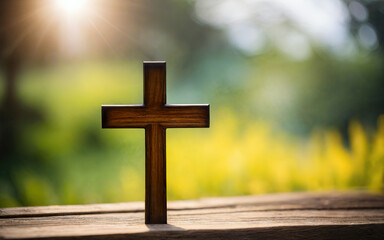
{"type": "Point", "coordinates": [348, 215]}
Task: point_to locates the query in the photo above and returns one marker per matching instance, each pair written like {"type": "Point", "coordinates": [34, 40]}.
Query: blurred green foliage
{"type": "Point", "coordinates": [278, 122]}
{"type": "Point", "coordinates": [72, 160]}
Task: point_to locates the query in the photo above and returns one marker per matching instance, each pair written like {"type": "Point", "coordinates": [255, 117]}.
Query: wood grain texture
{"type": "Point", "coordinates": [155, 93]}
{"type": "Point", "coordinates": [155, 175]}
{"type": "Point", "coordinates": [169, 116]}
{"type": "Point", "coordinates": [155, 116]}
{"type": "Point", "coordinates": [353, 215]}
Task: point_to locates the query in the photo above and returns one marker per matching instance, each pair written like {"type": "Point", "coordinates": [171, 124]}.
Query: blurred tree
{"type": "Point", "coordinates": [24, 36]}
{"type": "Point", "coordinates": [376, 19]}
{"type": "Point", "coordinates": [33, 32]}
{"type": "Point", "coordinates": [367, 26]}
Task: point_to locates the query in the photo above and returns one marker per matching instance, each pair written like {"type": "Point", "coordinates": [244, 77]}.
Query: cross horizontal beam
{"type": "Point", "coordinates": [168, 116]}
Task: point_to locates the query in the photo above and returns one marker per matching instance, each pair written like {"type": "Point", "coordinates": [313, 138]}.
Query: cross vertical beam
{"type": "Point", "coordinates": [155, 175]}
{"type": "Point", "coordinates": [154, 84]}
{"type": "Point", "coordinates": [155, 149]}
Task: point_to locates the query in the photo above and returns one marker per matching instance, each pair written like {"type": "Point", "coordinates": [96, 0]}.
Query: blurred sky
{"type": "Point", "coordinates": [250, 25]}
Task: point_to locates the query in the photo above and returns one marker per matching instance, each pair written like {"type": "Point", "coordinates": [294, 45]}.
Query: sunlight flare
{"type": "Point", "coordinates": [71, 7]}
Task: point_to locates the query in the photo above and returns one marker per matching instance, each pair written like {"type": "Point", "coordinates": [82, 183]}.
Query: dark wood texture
{"type": "Point", "coordinates": [155, 93]}
{"type": "Point", "coordinates": [353, 215]}
{"type": "Point", "coordinates": [169, 116]}
{"type": "Point", "coordinates": [155, 116]}
{"type": "Point", "coordinates": [155, 175]}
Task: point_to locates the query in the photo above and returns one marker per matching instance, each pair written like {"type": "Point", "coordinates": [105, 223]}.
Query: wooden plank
{"type": "Point", "coordinates": [215, 223]}
{"type": "Point", "coordinates": [285, 216]}
{"type": "Point", "coordinates": [280, 201]}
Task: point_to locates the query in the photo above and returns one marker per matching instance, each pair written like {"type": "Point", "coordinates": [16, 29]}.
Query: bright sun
{"type": "Point", "coordinates": [71, 7]}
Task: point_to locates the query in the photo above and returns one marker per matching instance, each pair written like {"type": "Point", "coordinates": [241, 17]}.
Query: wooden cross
{"type": "Point", "coordinates": [155, 116]}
